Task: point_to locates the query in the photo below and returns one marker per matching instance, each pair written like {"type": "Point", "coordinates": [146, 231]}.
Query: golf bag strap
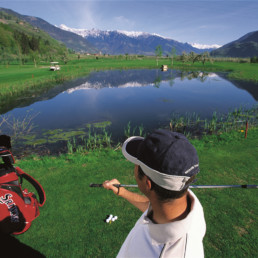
{"type": "Point", "coordinates": [35, 183]}
{"type": "Point", "coordinates": [5, 179]}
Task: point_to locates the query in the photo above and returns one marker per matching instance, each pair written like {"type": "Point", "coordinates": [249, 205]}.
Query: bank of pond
{"type": "Point", "coordinates": [103, 108]}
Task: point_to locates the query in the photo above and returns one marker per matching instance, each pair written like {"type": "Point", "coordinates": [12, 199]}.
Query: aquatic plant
{"type": "Point", "coordinates": [127, 130]}
{"type": "Point", "coordinates": [141, 128]}
{"type": "Point", "coordinates": [218, 123]}
{"type": "Point", "coordinates": [18, 127]}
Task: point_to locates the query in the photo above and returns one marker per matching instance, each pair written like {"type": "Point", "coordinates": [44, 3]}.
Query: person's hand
{"type": "Point", "coordinates": [109, 184]}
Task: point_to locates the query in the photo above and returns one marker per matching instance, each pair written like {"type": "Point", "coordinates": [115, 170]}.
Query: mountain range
{"type": "Point", "coordinates": [108, 42]}
{"type": "Point", "coordinates": [69, 39]}
{"type": "Point", "coordinates": [246, 46]}
{"type": "Point", "coordinates": [123, 42]}
{"type": "Point", "coordinates": [120, 42]}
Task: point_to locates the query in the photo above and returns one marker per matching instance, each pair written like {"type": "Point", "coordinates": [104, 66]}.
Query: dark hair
{"type": "Point", "coordinates": [163, 194]}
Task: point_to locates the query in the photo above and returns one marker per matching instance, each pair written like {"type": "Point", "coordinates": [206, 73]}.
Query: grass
{"type": "Point", "coordinates": [71, 223]}
{"type": "Point", "coordinates": [19, 80]}
{"type": "Point", "coordinates": [191, 125]}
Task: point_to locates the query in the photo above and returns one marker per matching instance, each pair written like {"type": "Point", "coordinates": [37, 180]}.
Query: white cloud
{"type": "Point", "coordinates": [86, 15]}
{"type": "Point", "coordinates": [123, 22]}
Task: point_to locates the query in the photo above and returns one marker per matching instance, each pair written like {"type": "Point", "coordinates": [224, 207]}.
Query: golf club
{"type": "Point", "coordinates": [191, 186]}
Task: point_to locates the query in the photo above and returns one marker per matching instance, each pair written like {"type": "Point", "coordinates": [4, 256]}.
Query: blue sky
{"type": "Point", "coordinates": [204, 22]}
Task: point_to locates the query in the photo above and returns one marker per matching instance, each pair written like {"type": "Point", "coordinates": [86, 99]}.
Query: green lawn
{"type": "Point", "coordinates": [15, 79]}
{"type": "Point", "coordinates": [71, 223]}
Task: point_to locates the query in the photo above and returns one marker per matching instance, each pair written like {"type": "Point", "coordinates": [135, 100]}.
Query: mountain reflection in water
{"type": "Point", "coordinates": [143, 97]}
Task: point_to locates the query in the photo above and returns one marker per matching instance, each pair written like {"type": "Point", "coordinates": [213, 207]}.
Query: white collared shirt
{"type": "Point", "coordinates": [181, 238]}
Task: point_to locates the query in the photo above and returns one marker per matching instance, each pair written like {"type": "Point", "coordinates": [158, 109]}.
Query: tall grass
{"type": "Point", "coordinates": [98, 135]}
{"type": "Point", "coordinates": [191, 124]}
{"type": "Point", "coordinates": [88, 142]}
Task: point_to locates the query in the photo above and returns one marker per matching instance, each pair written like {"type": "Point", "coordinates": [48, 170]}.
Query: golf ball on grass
{"type": "Point", "coordinates": [110, 218]}
{"type": "Point", "coordinates": [114, 218]}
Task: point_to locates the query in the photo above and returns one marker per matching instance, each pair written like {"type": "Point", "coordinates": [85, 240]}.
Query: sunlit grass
{"type": "Point", "coordinates": [71, 223]}
{"type": "Point", "coordinates": [17, 79]}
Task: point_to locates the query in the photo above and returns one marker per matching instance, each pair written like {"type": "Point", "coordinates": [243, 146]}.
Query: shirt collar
{"type": "Point", "coordinates": [169, 232]}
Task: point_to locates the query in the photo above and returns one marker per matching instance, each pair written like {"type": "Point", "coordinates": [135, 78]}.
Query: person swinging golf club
{"type": "Point", "coordinates": [172, 223]}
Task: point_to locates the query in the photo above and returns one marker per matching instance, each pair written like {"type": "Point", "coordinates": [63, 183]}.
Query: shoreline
{"type": "Point", "coordinates": [28, 78]}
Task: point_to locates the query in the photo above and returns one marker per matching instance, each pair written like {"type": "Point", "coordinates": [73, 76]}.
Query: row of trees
{"type": "Point", "coordinates": [159, 53]}
{"type": "Point", "coordinates": [254, 59]}
{"type": "Point", "coordinates": [27, 43]}
{"type": "Point", "coordinates": [193, 57]}
{"type": "Point", "coordinates": [184, 57]}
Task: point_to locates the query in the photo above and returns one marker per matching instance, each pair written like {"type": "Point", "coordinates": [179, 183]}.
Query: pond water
{"type": "Point", "coordinates": [144, 97]}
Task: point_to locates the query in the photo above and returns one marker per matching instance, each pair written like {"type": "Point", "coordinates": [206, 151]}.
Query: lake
{"type": "Point", "coordinates": [113, 98]}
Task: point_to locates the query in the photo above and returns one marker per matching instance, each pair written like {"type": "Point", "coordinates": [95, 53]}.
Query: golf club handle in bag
{"type": "Point", "coordinates": [35, 183]}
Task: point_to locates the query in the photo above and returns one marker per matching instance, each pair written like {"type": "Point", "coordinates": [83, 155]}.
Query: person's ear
{"type": "Point", "coordinates": [148, 183]}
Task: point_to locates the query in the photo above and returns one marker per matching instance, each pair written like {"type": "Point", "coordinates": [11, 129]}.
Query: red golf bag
{"type": "Point", "coordinates": [18, 208]}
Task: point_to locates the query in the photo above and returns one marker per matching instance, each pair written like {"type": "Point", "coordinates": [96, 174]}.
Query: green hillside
{"type": "Point", "coordinates": [20, 42]}
{"type": "Point", "coordinates": [246, 46]}
{"type": "Point", "coordinates": [69, 39]}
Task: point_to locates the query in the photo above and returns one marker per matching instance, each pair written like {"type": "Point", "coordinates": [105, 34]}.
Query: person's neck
{"type": "Point", "coordinates": [171, 211]}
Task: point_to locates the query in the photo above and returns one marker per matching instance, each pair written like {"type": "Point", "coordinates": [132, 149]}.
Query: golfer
{"type": "Point", "coordinates": [172, 223]}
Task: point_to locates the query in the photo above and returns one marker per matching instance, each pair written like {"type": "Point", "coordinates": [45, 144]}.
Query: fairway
{"type": "Point", "coordinates": [72, 224]}
{"type": "Point", "coordinates": [19, 78]}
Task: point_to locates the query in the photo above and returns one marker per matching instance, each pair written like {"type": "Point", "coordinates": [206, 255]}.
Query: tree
{"type": "Point", "coordinates": [172, 55]}
{"type": "Point", "coordinates": [205, 57]}
{"type": "Point", "coordinates": [158, 53]}
{"type": "Point", "coordinates": [24, 42]}
{"type": "Point", "coordinates": [34, 56]}
{"type": "Point", "coordinates": [254, 59]}
{"type": "Point", "coordinates": [184, 57]}
{"type": "Point", "coordinates": [34, 43]}
{"type": "Point", "coordinates": [194, 57]}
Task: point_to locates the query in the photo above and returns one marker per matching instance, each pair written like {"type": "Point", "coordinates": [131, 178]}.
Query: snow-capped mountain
{"type": "Point", "coordinates": [132, 42]}
{"type": "Point", "coordinates": [98, 33]}
{"type": "Point", "coordinates": [201, 46]}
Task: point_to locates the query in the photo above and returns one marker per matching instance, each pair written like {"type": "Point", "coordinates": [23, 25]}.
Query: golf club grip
{"type": "Point", "coordinates": [101, 185]}
{"type": "Point", "coordinates": [249, 186]}
{"type": "Point", "coordinates": [96, 185]}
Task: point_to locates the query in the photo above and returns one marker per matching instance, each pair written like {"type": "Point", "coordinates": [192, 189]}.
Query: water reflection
{"type": "Point", "coordinates": [137, 78]}
{"type": "Point", "coordinates": [120, 79]}
{"type": "Point", "coordinates": [144, 97]}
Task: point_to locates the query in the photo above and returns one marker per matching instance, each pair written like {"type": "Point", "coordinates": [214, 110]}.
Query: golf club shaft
{"type": "Point", "coordinates": [191, 186]}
